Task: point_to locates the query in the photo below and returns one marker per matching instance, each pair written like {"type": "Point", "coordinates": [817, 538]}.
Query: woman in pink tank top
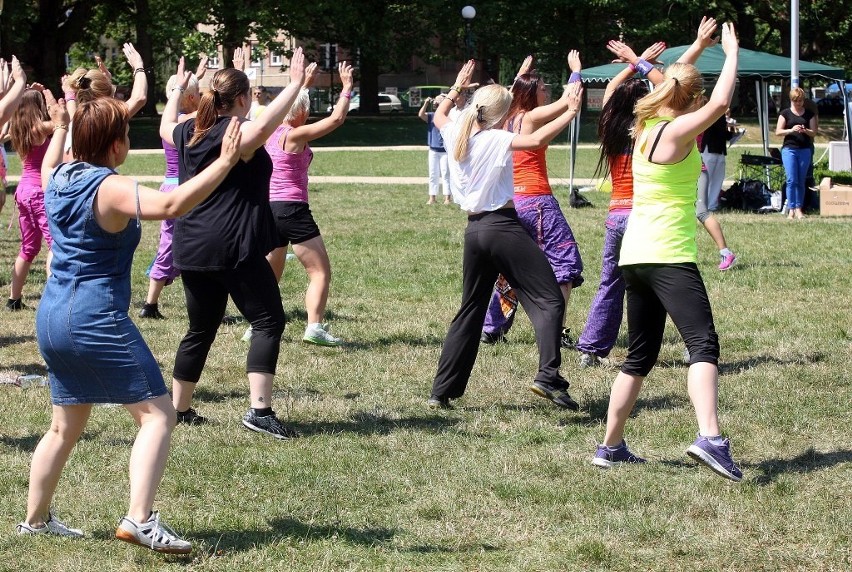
{"type": "Point", "coordinates": [288, 196]}
{"type": "Point", "coordinates": [31, 130]}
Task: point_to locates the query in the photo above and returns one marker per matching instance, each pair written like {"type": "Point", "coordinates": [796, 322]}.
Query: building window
{"type": "Point", "coordinates": [213, 62]}
{"type": "Point", "coordinates": [276, 59]}
{"type": "Point", "coordinates": [257, 55]}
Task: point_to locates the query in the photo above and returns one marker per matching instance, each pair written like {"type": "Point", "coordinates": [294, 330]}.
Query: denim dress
{"type": "Point", "coordinates": [93, 351]}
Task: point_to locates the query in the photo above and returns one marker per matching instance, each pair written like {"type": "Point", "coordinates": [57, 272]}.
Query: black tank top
{"type": "Point", "coordinates": [233, 224]}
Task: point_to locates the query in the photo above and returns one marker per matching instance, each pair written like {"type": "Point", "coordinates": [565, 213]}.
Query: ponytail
{"type": "Point", "coordinates": [226, 86]}
{"type": "Point", "coordinates": [466, 120]}
{"type": "Point", "coordinates": [683, 84]}
{"type": "Point", "coordinates": [488, 109]}
{"type": "Point", "coordinates": [205, 117]}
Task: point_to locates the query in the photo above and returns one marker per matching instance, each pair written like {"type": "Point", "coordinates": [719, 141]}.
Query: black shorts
{"type": "Point", "coordinates": [294, 222]}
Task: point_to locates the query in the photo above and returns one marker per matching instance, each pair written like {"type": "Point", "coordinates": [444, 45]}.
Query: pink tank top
{"type": "Point", "coordinates": [31, 166]}
{"type": "Point", "coordinates": [289, 180]}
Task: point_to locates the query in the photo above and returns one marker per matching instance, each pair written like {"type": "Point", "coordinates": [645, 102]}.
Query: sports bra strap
{"type": "Point", "coordinates": [656, 141]}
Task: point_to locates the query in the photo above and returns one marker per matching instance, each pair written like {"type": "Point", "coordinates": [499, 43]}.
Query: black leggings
{"type": "Point", "coordinates": [495, 243]}
{"type": "Point", "coordinates": [254, 290]}
{"type": "Point", "coordinates": [654, 290]}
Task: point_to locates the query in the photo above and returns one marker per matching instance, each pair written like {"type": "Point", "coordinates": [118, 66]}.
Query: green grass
{"type": "Point", "coordinates": [503, 482]}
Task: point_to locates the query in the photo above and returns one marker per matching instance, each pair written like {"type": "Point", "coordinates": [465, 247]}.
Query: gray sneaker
{"type": "Point", "coordinates": [318, 334]}
{"type": "Point", "coordinates": [52, 526]}
{"type": "Point", "coordinates": [153, 533]}
{"type": "Point", "coordinates": [589, 360]}
{"type": "Point", "coordinates": [268, 424]}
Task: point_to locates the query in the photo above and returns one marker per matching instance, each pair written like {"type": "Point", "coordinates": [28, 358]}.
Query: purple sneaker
{"type": "Point", "coordinates": [715, 457]}
{"type": "Point", "coordinates": [606, 458]}
{"type": "Point", "coordinates": [727, 262]}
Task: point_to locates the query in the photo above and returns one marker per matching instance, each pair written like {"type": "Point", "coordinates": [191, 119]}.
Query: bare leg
{"type": "Point", "coordinates": [155, 288]}
{"type": "Point", "coordinates": [50, 457]}
{"type": "Point", "coordinates": [566, 293]}
{"type": "Point", "coordinates": [20, 271]}
{"type": "Point", "coordinates": [314, 257]}
{"type": "Point", "coordinates": [622, 398]}
{"type": "Point", "coordinates": [156, 419]}
{"type": "Point", "coordinates": [276, 260]}
{"type": "Point", "coordinates": [703, 385]}
{"type": "Point", "coordinates": [260, 389]}
{"type": "Point", "coordinates": [182, 394]}
{"type": "Point", "coordinates": [48, 262]}
{"type": "Point", "coordinates": [714, 229]}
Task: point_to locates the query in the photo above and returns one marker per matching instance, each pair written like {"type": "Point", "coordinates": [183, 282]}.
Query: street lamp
{"type": "Point", "coordinates": [468, 13]}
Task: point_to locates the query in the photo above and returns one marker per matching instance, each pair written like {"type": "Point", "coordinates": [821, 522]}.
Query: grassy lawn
{"type": "Point", "coordinates": [504, 481]}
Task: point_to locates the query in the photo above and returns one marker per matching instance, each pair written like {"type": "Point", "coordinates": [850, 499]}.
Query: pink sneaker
{"type": "Point", "coordinates": [727, 262]}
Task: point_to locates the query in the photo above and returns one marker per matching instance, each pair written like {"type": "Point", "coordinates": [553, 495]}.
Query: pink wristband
{"type": "Point", "coordinates": [633, 68]}
{"type": "Point", "coordinates": [346, 94]}
{"type": "Point", "coordinates": [70, 96]}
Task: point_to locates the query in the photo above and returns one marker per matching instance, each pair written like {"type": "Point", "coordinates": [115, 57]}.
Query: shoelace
{"type": "Point", "coordinates": [161, 531]}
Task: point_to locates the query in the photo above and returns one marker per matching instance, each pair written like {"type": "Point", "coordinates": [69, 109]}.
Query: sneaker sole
{"type": "Point", "coordinates": [704, 458]}
{"type": "Point", "coordinates": [130, 538]}
{"type": "Point", "coordinates": [603, 463]}
{"type": "Point", "coordinates": [251, 427]}
{"type": "Point", "coordinates": [323, 343]}
{"type": "Point", "coordinates": [728, 267]}
{"type": "Point", "coordinates": [545, 394]}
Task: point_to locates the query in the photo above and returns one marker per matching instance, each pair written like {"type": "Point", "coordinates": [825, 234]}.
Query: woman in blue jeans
{"type": "Point", "coordinates": [799, 127]}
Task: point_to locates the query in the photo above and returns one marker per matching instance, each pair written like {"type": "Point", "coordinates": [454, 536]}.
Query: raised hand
{"type": "Point", "coordinates": [102, 67]}
{"type": "Point", "coordinates": [18, 73]}
{"type": "Point", "coordinates": [345, 71]}
{"type": "Point", "coordinates": [230, 151]}
{"type": "Point", "coordinates": [297, 66]}
{"type": "Point", "coordinates": [57, 110]}
{"type": "Point", "coordinates": [36, 86]}
{"type": "Point", "coordinates": [574, 63]}
{"type": "Point", "coordinates": [622, 51]}
{"type": "Point", "coordinates": [182, 75]}
{"type": "Point", "coordinates": [133, 57]}
{"type": "Point", "coordinates": [730, 44]}
{"type": "Point", "coordinates": [4, 76]}
{"type": "Point", "coordinates": [653, 52]}
{"type": "Point", "coordinates": [706, 29]}
{"type": "Point", "coordinates": [310, 74]}
{"type": "Point", "coordinates": [202, 66]}
{"type": "Point", "coordinates": [239, 59]}
{"type": "Point", "coordinates": [463, 79]}
{"type": "Point", "coordinates": [575, 95]}
{"type": "Point", "coordinates": [526, 66]}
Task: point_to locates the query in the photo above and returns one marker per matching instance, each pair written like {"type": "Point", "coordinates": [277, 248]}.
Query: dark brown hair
{"type": "Point", "coordinates": [97, 125]}
{"type": "Point", "coordinates": [525, 93]}
{"type": "Point", "coordinates": [226, 86]}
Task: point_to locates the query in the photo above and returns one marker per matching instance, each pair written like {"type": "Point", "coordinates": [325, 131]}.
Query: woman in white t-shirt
{"type": "Point", "coordinates": [495, 242]}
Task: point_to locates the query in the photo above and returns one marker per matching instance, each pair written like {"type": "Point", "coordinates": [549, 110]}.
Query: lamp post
{"type": "Point", "coordinates": [468, 13]}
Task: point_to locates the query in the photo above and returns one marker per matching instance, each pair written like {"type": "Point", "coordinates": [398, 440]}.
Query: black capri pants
{"type": "Point", "coordinates": [654, 290]}
{"type": "Point", "coordinates": [254, 290]}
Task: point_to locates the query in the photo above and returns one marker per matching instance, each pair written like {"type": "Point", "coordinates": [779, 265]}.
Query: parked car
{"type": "Point", "coordinates": [388, 103]}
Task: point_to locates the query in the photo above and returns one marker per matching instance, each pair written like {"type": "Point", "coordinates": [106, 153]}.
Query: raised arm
{"type": "Point", "coordinates": [310, 75]}
{"type": "Point", "coordinates": [442, 114]}
{"type": "Point", "coordinates": [239, 59]}
{"type": "Point", "coordinates": [685, 128]}
{"type": "Point", "coordinates": [169, 119]}
{"type": "Point", "coordinates": [545, 134]}
{"type": "Point", "coordinates": [55, 150]}
{"type": "Point", "coordinates": [539, 115]}
{"type": "Point", "coordinates": [703, 40]}
{"type": "Point", "coordinates": [12, 97]}
{"type": "Point", "coordinates": [139, 93]}
{"type": "Point", "coordinates": [255, 133]}
{"type": "Point", "coordinates": [423, 108]}
{"type": "Point", "coordinates": [201, 70]}
{"type": "Point", "coordinates": [308, 132]}
{"type": "Point", "coordinates": [526, 67]}
{"type": "Point", "coordinates": [643, 63]}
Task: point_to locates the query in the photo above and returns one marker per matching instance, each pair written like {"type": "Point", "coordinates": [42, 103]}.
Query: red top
{"type": "Point", "coordinates": [530, 172]}
{"type": "Point", "coordinates": [621, 173]}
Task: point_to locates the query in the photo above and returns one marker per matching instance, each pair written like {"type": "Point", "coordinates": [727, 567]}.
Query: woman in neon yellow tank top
{"type": "Point", "coordinates": [658, 258]}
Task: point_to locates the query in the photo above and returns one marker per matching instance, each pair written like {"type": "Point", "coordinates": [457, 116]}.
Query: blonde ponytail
{"type": "Point", "coordinates": [683, 84]}
{"type": "Point", "coordinates": [489, 108]}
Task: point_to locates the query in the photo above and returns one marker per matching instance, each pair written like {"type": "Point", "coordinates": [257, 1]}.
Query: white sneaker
{"type": "Point", "coordinates": [153, 533]}
{"type": "Point", "coordinates": [318, 334]}
{"type": "Point", "coordinates": [52, 526]}
{"type": "Point", "coordinates": [247, 335]}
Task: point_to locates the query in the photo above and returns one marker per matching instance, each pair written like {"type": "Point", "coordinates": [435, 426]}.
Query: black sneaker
{"type": "Point", "coordinates": [268, 424]}
{"type": "Point", "coordinates": [190, 417]}
{"type": "Point", "coordinates": [565, 340]}
{"type": "Point", "coordinates": [439, 403]}
{"type": "Point", "coordinates": [15, 305]}
{"type": "Point", "coordinates": [492, 339]}
{"type": "Point", "coordinates": [558, 395]}
{"type": "Point", "coordinates": [151, 311]}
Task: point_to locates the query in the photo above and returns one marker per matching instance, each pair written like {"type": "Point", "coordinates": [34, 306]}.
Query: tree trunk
{"type": "Point", "coordinates": [146, 50]}
{"type": "Point", "coordinates": [369, 83]}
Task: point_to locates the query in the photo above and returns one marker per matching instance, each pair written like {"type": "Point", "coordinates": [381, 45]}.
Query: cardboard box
{"type": "Point", "coordinates": [834, 200]}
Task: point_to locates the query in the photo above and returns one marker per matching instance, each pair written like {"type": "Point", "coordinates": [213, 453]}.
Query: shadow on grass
{"type": "Point", "coordinates": [430, 341]}
{"type": "Point", "coordinates": [27, 368]}
{"type": "Point", "coordinates": [467, 547]}
{"type": "Point", "coordinates": [806, 462]}
{"type": "Point", "coordinates": [29, 442]}
{"type": "Point", "coordinates": [752, 362]}
{"type": "Point", "coordinates": [205, 393]}
{"type": "Point", "coordinates": [244, 540]}
{"type": "Point", "coordinates": [370, 423]}
{"type": "Point", "coordinates": [11, 340]}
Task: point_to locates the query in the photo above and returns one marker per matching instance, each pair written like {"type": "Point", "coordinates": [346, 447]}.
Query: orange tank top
{"type": "Point", "coordinates": [621, 172]}
{"type": "Point", "coordinates": [530, 172]}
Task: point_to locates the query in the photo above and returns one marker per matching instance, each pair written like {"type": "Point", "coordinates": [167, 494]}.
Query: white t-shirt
{"type": "Point", "coordinates": [484, 177]}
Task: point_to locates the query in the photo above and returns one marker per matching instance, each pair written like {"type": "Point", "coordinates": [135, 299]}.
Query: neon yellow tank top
{"type": "Point", "coordinates": [661, 227]}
